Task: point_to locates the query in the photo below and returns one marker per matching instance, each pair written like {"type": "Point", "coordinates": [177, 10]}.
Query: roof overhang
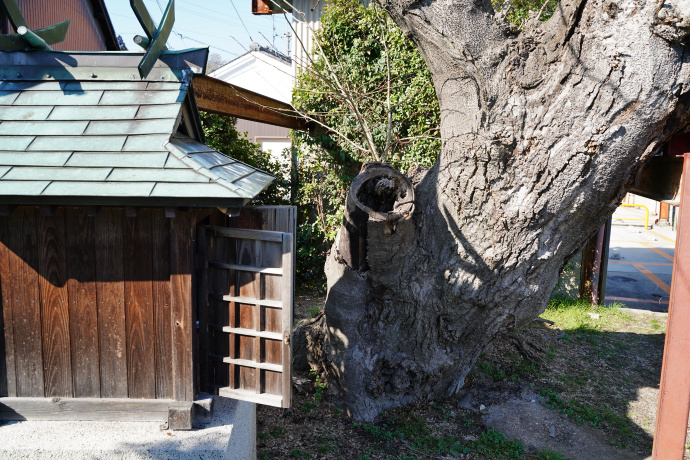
{"type": "Point", "coordinates": [216, 96]}
{"type": "Point", "coordinates": [209, 202]}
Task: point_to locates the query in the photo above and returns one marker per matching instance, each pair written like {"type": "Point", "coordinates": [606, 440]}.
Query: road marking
{"type": "Point", "coordinates": [655, 279]}
{"type": "Point", "coordinates": [638, 241]}
{"type": "Point", "coordinates": [661, 253]}
{"type": "Point", "coordinates": [627, 299]}
{"type": "Point", "coordinates": [662, 236]}
{"type": "Point", "coordinates": [643, 263]}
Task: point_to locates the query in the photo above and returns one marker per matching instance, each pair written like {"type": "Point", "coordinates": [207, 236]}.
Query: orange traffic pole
{"type": "Point", "coordinates": [674, 395]}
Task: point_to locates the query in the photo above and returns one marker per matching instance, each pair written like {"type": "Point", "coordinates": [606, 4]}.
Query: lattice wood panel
{"type": "Point", "coordinates": [246, 314]}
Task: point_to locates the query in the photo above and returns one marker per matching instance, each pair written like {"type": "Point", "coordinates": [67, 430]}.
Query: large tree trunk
{"type": "Point", "coordinates": [543, 132]}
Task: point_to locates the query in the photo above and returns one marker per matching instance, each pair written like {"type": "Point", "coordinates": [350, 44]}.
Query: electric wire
{"type": "Point", "coordinates": [241, 20]}
{"type": "Point", "coordinates": [185, 37]}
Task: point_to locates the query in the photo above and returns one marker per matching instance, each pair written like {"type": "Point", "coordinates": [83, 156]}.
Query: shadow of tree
{"type": "Point", "coordinates": [603, 377]}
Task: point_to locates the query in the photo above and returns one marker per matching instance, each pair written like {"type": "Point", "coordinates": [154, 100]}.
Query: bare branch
{"type": "Point", "coordinates": [340, 89]}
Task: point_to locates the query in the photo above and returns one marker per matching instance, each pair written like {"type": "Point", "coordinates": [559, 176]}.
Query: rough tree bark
{"type": "Point", "coordinates": [543, 132]}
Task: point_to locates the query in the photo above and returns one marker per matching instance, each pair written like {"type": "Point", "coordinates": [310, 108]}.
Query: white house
{"type": "Point", "coordinates": [267, 72]}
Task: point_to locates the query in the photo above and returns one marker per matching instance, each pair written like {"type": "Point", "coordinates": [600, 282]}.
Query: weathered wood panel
{"type": "Point", "coordinates": [261, 305]}
{"type": "Point", "coordinates": [288, 285]}
{"type": "Point", "coordinates": [26, 309]}
{"type": "Point", "coordinates": [141, 370]}
{"type": "Point", "coordinates": [3, 359]}
{"type": "Point", "coordinates": [203, 307]}
{"type": "Point", "coordinates": [162, 318]}
{"type": "Point", "coordinates": [83, 310]}
{"type": "Point", "coordinates": [52, 281]}
{"type": "Point", "coordinates": [7, 371]}
{"type": "Point", "coordinates": [85, 409]}
{"type": "Point", "coordinates": [110, 294]}
{"type": "Point", "coordinates": [181, 302]}
{"type": "Point", "coordinates": [98, 306]}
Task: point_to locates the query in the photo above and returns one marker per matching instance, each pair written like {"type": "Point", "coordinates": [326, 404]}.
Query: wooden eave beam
{"type": "Point", "coordinates": [216, 96]}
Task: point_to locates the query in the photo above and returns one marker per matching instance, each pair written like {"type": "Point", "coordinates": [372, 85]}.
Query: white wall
{"type": "Point", "coordinates": [262, 73]}
{"type": "Point", "coordinates": [259, 72]}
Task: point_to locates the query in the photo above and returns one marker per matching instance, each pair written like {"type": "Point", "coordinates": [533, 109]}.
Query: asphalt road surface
{"type": "Point", "coordinates": [640, 264]}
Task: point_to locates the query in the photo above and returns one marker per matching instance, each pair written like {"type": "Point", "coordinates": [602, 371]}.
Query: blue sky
{"type": "Point", "coordinates": [208, 22]}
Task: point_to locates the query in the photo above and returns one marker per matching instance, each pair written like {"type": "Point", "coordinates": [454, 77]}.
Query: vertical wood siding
{"type": "Point", "coordinates": [96, 306]}
{"type": "Point", "coordinates": [83, 34]}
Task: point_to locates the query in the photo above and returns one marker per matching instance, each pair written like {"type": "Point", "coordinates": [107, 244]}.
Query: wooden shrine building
{"type": "Point", "coordinates": [125, 291]}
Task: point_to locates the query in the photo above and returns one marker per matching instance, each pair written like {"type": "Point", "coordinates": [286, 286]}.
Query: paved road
{"type": "Point", "coordinates": [640, 264]}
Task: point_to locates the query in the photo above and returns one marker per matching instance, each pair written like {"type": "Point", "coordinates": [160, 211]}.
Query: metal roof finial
{"type": "Point", "coordinates": [155, 39]}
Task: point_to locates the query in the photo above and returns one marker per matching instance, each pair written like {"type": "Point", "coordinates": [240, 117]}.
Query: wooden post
{"type": "Point", "coordinates": [674, 394]}
{"type": "Point", "coordinates": [663, 213]}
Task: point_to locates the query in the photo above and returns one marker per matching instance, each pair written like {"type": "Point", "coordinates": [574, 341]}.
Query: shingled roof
{"type": "Point", "coordinates": [84, 128]}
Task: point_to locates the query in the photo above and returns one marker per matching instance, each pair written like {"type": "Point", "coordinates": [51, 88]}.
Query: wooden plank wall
{"type": "Point", "coordinates": [96, 306]}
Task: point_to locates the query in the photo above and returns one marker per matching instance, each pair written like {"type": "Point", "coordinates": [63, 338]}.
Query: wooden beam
{"type": "Point", "coordinates": [216, 96]}
{"type": "Point", "coordinates": [92, 211]}
{"type": "Point", "coordinates": [660, 179]}
{"type": "Point", "coordinates": [96, 409]}
{"type": "Point", "coordinates": [674, 391]}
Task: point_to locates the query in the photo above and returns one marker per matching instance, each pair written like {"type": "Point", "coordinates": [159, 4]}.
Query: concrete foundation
{"type": "Point", "coordinates": [230, 435]}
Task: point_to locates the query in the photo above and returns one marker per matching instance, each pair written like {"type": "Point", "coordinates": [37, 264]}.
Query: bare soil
{"type": "Point", "coordinates": [542, 392]}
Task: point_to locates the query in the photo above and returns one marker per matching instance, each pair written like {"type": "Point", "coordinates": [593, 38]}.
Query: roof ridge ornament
{"type": "Point", "coordinates": [26, 38]}
{"type": "Point", "coordinates": [155, 39]}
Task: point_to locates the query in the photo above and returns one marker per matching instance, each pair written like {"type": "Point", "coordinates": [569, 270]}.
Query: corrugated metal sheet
{"type": "Point", "coordinates": [306, 19]}
{"type": "Point", "coordinates": [305, 24]}
{"type": "Point", "coordinates": [110, 142]}
{"type": "Point", "coordinates": [255, 129]}
{"type": "Point", "coordinates": [90, 28]}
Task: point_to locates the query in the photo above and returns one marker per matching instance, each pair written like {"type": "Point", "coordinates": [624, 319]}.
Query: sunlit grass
{"type": "Point", "coordinates": [577, 314]}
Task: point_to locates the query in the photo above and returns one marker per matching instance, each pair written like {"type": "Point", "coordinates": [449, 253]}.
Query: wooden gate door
{"type": "Point", "coordinates": [245, 314]}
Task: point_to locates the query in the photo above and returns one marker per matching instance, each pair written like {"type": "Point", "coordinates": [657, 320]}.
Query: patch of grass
{"type": "Point", "coordinates": [518, 369]}
{"type": "Point", "coordinates": [656, 325]}
{"type": "Point", "coordinates": [313, 311]}
{"type": "Point", "coordinates": [493, 372]}
{"type": "Point", "coordinates": [320, 388]}
{"type": "Point", "coordinates": [494, 444]}
{"type": "Point", "coordinates": [421, 441]}
{"type": "Point", "coordinates": [446, 415]}
{"type": "Point", "coordinates": [548, 454]}
{"type": "Point", "coordinates": [572, 315]}
{"type": "Point", "coordinates": [577, 412]}
{"type": "Point", "coordinates": [300, 454]}
{"type": "Point", "coordinates": [581, 413]}
{"type": "Point", "coordinates": [328, 449]}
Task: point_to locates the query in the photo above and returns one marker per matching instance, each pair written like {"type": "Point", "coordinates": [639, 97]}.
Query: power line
{"type": "Point", "coordinates": [185, 37]}
{"type": "Point", "coordinates": [241, 20]}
